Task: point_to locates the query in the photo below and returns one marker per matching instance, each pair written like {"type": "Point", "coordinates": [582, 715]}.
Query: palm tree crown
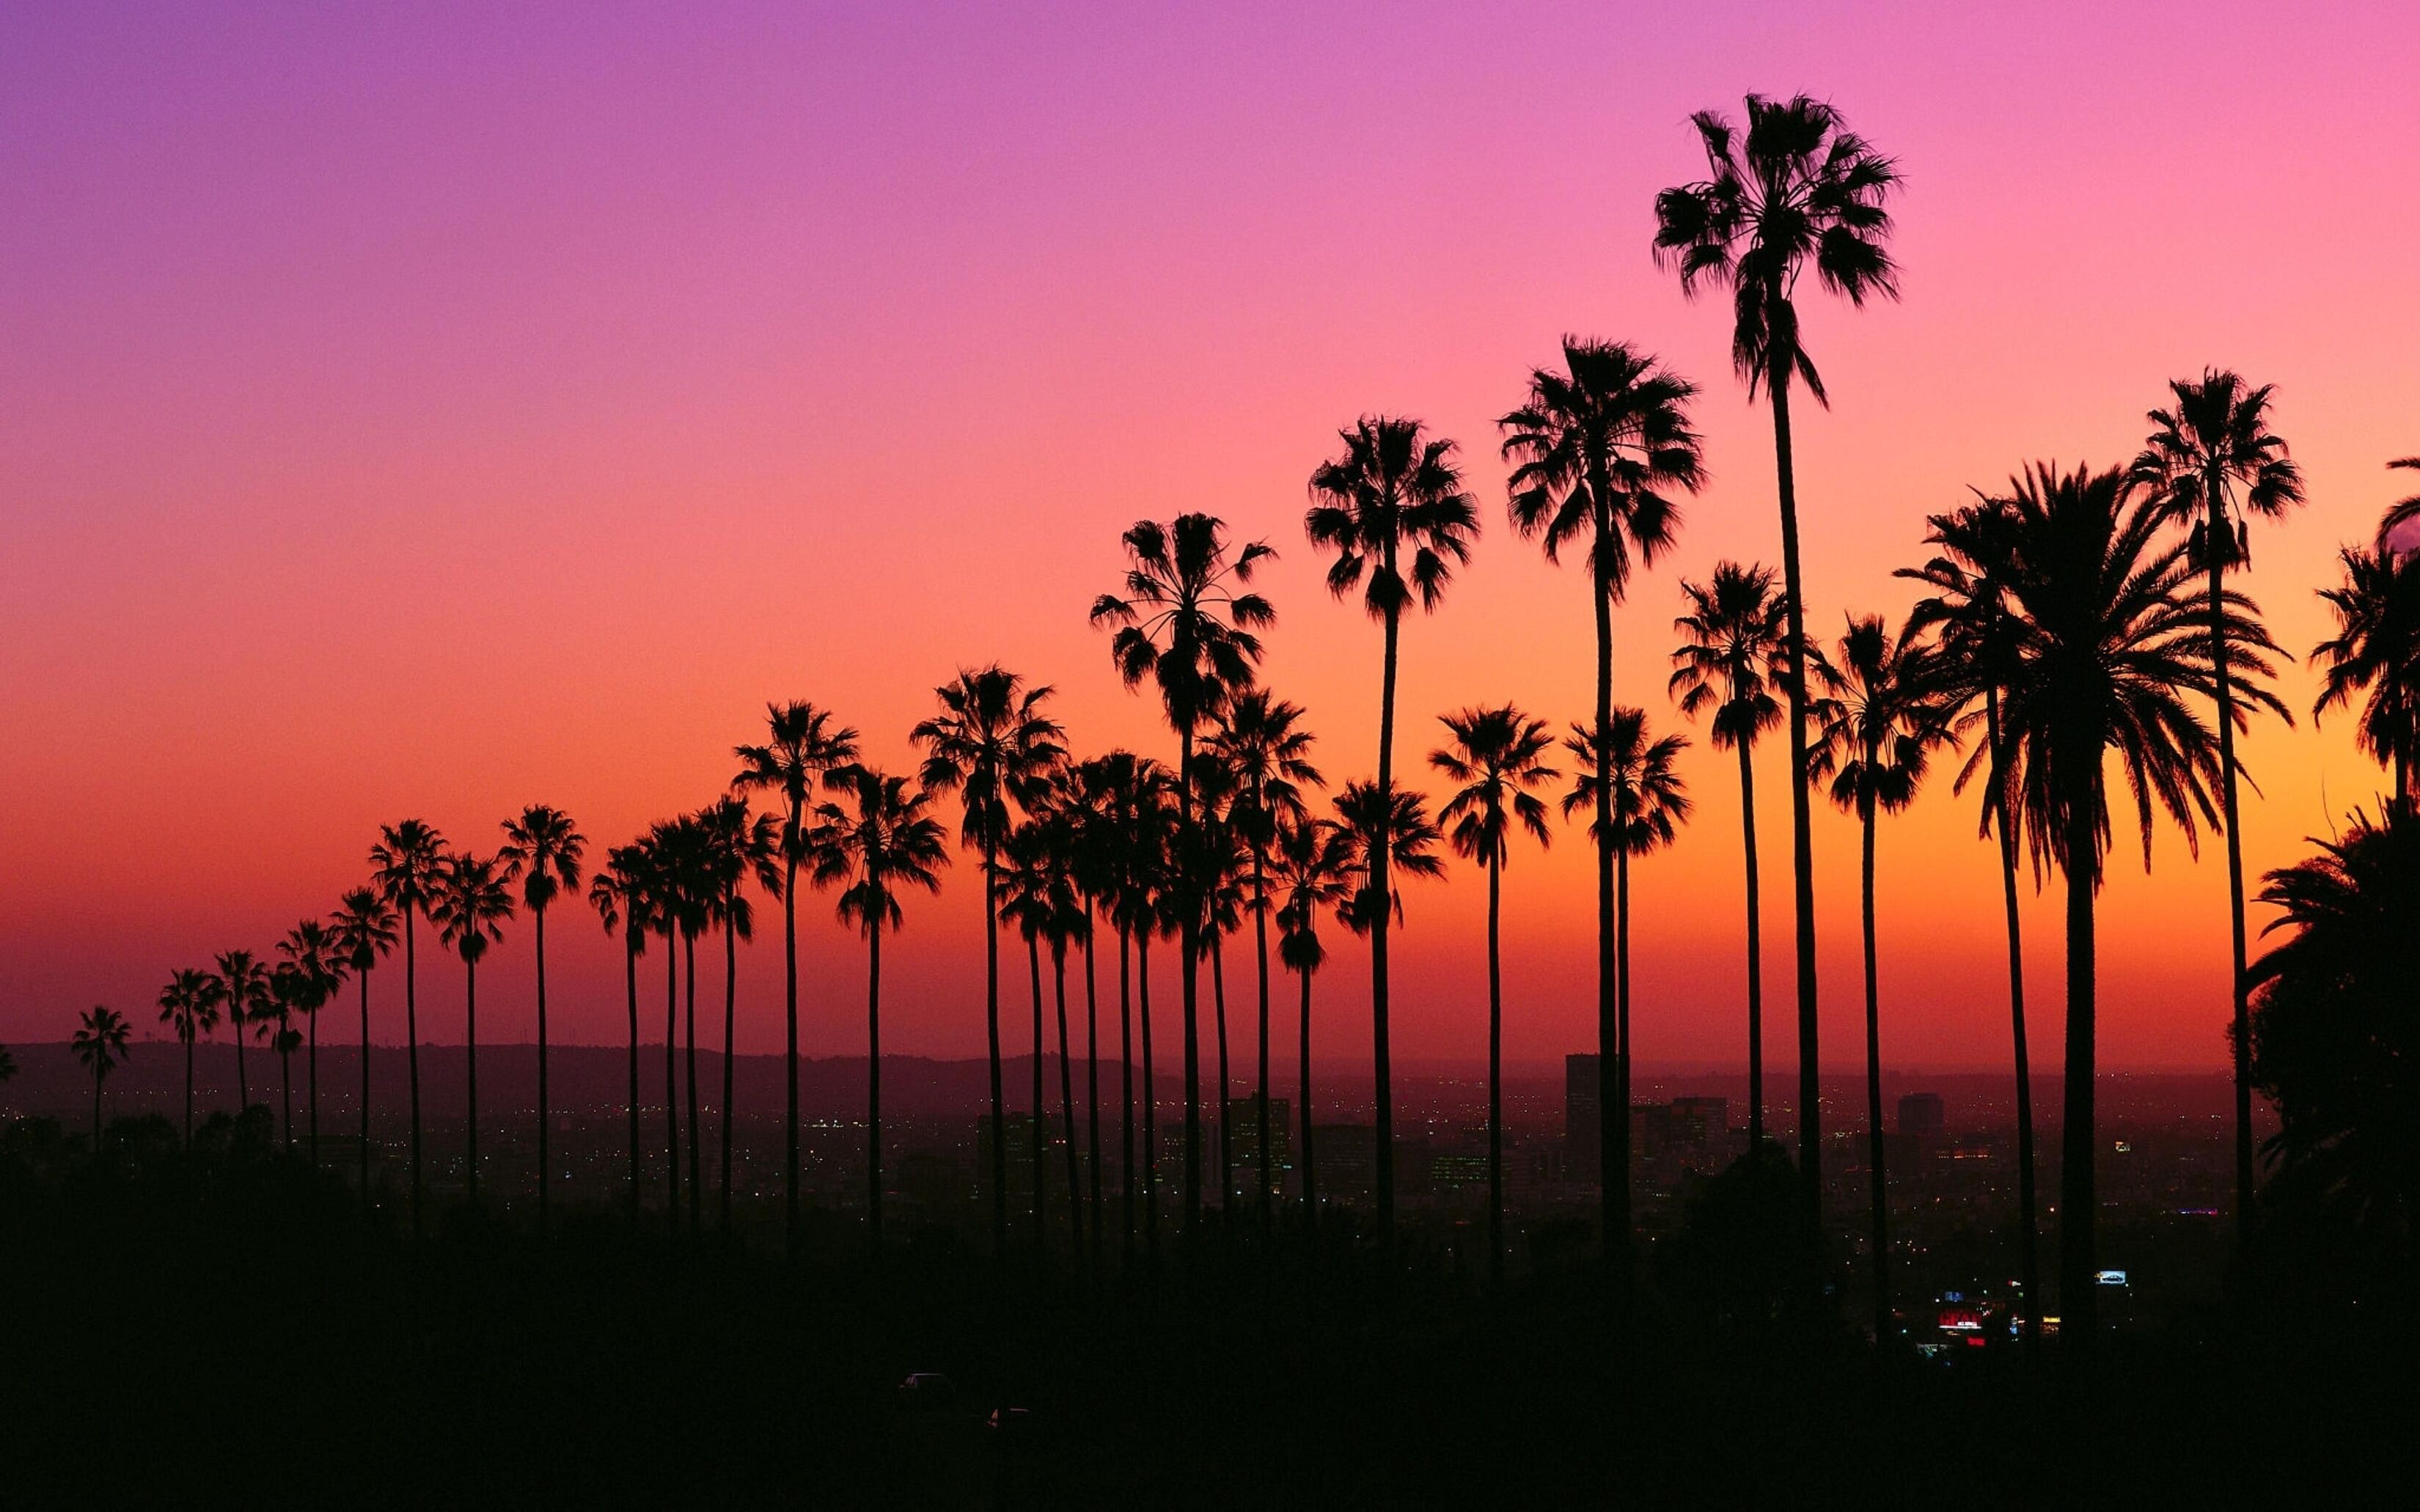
{"type": "Point", "coordinates": [362, 928]}
{"type": "Point", "coordinates": [879, 842]}
{"type": "Point", "coordinates": [2377, 648]}
{"type": "Point", "coordinates": [1186, 620]}
{"type": "Point", "coordinates": [1645, 795]}
{"type": "Point", "coordinates": [187, 1007]}
{"type": "Point", "coordinates": [1733, 653]}
{"type": "Point", "coordinates": [1496, 755]}
{"type": "Point", "coordinates": [1392, 490]}
{"type": "Point", "coordinates": [1883, 719]}
{"type": "Point", "coordinates": [2213, 461]}
{"type": "Point", "coordinates": [469, 904]}
{"type": "Point", "coordinates": [1596, 451]}
{"type": "Point", "coordinates": [1411, 837]}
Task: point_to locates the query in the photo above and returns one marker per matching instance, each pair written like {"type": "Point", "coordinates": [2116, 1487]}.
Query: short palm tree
{"type": "Point", "coordinates": [741, 846]}
{"type": "Point", "coordinates": [1876, 731]}
{"type": "Point", "coordinates": [624, 900]}
{"type": "Point", "coordinates": [1392, 511]}
{"type": "Point", "coordinates": [801, 744]}
{"type": "Point", "coordinates": [1733, 653]}
{"type": "Point", "coordinates": [289, 992]}
{"type": "Point", "coordinates": [878, 841]}
{"type": "Point", "coordinates": [688, 889]}
{"type": "Point", "coordinates": [362, 929]}
{"type": "Point", "coordinates": [1027, 902]}
{"type": "Point", "coordinates": [666, 848]}
{"type": "Point", "coordinates": [1390, 830]}
{"type": "Point", "coordinates": [1138, 811]}
{"type": "Point", "coordinates": [1188, 622]}
{"type": "Point", "coordinates": [469, 907]}
{"type": "Point", "coordinates": [99, 1045]}
{"type": "Point", "coordinates": [404, 865]}
{"type": "Point", "coordinates": [2377, 649]}
{"type": "Point", "coordinates": [2215, 462]}
{"type": "Point", "coordinates": [542, 851]}
{"type": "Point", "coordinates": [187, 1007]}
{"type": "Point", "coordinates": [2111, 646]}
{"type": "Point", "coordinates": [239, 988]}
{"type": "Point", "coordinates": [310, 948]}
{"type": "Point", "coordinates": [1311, 872]}
{"type": "Point", "coordinates": [991, 744]}
{"type": "Point", "coordinates": [1497, 756]}
{"type": "Point", "coordinates": [1796, 188]}
{"type": "Point", "coordinates": [1042, 900]}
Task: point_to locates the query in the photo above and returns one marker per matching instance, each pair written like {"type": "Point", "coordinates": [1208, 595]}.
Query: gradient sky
{"type": "Point", "coordinates": [432, 410]}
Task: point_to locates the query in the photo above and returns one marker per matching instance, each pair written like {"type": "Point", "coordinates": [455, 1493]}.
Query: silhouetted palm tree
{"type": "Point", "coordinates": [1310, 867]}
{"type": "Point", "coordinates": [2110, 646]}
{"type": "Point", "coordinates": [404, 868]}
{"type": "Point", "coordinates": [801, 744]}
{"type": "Point", "coordinates": [1497, 755]}
{"type": "Point", "coordinates": [1087, 804]}
{"type": "Point", "coordinates": [2377, 649]}
{"type": "Point", "coordinates": [1797, 187]}
{"type": "Point", "coordinates": [1138, 814]}
{"type": "Point", "coordinates": [2215, 463]}
{"type": "Point", "coordinates": [1733, 651]}
{"type": "Point", "coordinates": [1393, 492]}
{"type": "Point", "coordinates": [687, 889]}
{"type": "Point", "coordinates": [99, 1045]}
{"type": "Point", "coordinates": [1027, 902]}
{"type": "Point", "coordinates": [739, 846]}
{"type": "Point", "coordinates": [362, 929]}
{"type": "Point", "coordinates": [1648, 802]}
{"type": "Point", "coordinates": [469, 905]}
{"type": "Point", "coordinates": [878, 840]}
{"type": "Point", "coordinates": [1039, 896]}
{"type": "Point", "coordinates": [239, 988]}
{"type": "Point", "coordinates": [990, 744]}
{"type": "Point", "coordinates": [1394, 823]}
{"type": "Point", "coordinates": [1217, 866]}
{"type": "Point", "coordinates": [2398, 530]}
{"type": "Point", "coordinates": [663, 846]}
{"type": "Point", "coordinates": [287, 992]}
{"type": "Point", "coordinates": [187, 1007]}
{"type": "Point", "coordinates": [1876, 731]}
{"type": "Point", "coordinates": [620, 892]}
{"type": "Point", "coordinates": [310, 948]}
{"type": "Point", "coordinates": [1186, 622]}
{"type": "Point", "coordinates": [542, 851]}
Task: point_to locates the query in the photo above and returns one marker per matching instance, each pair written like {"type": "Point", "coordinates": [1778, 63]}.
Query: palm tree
{"type": "Point", "coordinates": [1087, 800]}
{"type": "Point", "coordinates": [2377, 648]}
{"type": "Point", "coordinates": [1797, 187]}
{"type": "Point", "coordinates": [1731, 656]}
{"type": "Point", "coordinates": [878, 842]}
{"type": "Point", "coordinates": [1042, 901]}
{"type": "Point", "coordinates": [541, 850]}
{"type": "Point", "coordinates": [738, 846]}
{"type": "Point", "coordinates": [1266, 760]}
{"type": "Point", "coordinates": [1647, 803]}
{"type": "Point", "coordinates": [404, 868]}
{"type": "Point", "coordinates": [1186, 623]}
{"type": "Point", "coordinates": [1393, 492]}
{"type": "Point", "coordinates": [660, 848]}
{"type": "Point", "coordinates": [1877, 729]}
{"type": "Point", "coordinates": [1028, 900]}
{"type": "Point", "coordinates": [2215, 463]}
{"type": "Point", "coordinates": [187, 1006]}
{"type": "Point", "coordinates": [1389, 828]}
{"type": "Point", "coordinates": [1310, 866]}
{"type": "Point", "coordinates": [239, 988]}
{"type": "Point", "coordinates": [990, 744]}
{"type": "Point", "coordinates": [288, 992]}
{"type": "Point", "coordinates": [801, 744]}
{"type": "Point", "coordinates": [1216, 870]}
{"type": "Point", "coordinates": [1134, 824]}
{"type": "Point", "coordinates": [1974, 661]}
{"type": "Point", "coordinates": [1497, 756]}
{"type": "Point", "coordinates": [310, 948]}
{"type": "Point", "coordinates": [469, 905]}
{"type": "Point", "coordinates": [687, 888]}
{"type": "Point", "coordinates": [624, 898]}
{"type": "Point", "coordinates": [362, 930]}
{"type": "Point", "coordinates": [2396, 530]}
{"type": "Point", "coordinates": [100, 1044]}
{"type": "Point", "coordinates": [2110, 644]}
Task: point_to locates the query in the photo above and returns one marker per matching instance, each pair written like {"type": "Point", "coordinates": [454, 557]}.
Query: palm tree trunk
{"type": "Point", "coordinates": [1310, 1168]}
{"type": "Point", "coordinates": [1802, 858]}
{"type": "Point", "coordinates": [1618, 1110]}
{"type": "Point", "coordinates": [2218, 541]}
{"type": "Point", "coordinates": [730, 1021]}
{"type": "Point", "coordinates": [630, 983]}
{"type": "Point", "coordinates": [1876, 1186]}
{"type": "Point", "coordinates": [696, 1123]}
{"type": "Point", "coordinates": [1188, 987]}
{"type": "Point", "coordinates": [1261, 1111]}
{"type": "Point", "coordinates": [189, 1089]}
{"type": "Point", "coordinates": [471, 1072]}
{"type": "Point", "coordinates": [874, 1088]}
{"type": "Point", "coordinates": [1381, 902]}
{"type": "Point", "coordinates": [2079, 1204]}
{"type": "Point", "coordinates": [1613, 1106]}
{"type": "Point", "coordinates": [286, 1089]}
{"type": "Point", "coordinates": [1126, 1103]}
{"type": "Point", "coordinates": [672, 1080]}
{"type": "Point", "coordinates": [991, 1024]}
{"type": "Point", "coordinates": [1150, 1096]}
{"type": "Point", "coordinates": [2029, 1262]}
{"type": "Point", "coordinates": [791, 1046]}
{"type": "Point", "coordinates": [1755, 959]}
{"type": "Point", "coordinates": [96, 1104]}
{"type": "Point", "coordinates": [365, 1090]}
{"type": "Point", "coordinates": [545, 1110]}
{"type": "Point", "coordinates": [237, 1021]}
{"type": "Point", "coordinates": [1033, 960]}
{"type": "Point", "coordinates": [1495, 1077]}
{"type": "Point", "coordinates": [1226, 1131]}
{"type": "Point", "coordinates": [1093, 1081]}
{"type": "Point", "coordinates": [411, 1055]}
{"type": "Point", "coordinates": [1067, 1102]}
{"type": "Point", "coordinates": [312, 1064]}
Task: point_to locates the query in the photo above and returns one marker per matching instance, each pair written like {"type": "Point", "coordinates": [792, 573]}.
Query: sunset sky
{"type": "Point", "coordinates": [434, 409]}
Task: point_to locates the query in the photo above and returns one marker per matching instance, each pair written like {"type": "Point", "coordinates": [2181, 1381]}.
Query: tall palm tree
{"type": "Point", "coordinates": [1647, 803]}
{"type": "Point", "coordinates": [542, 851]}
{"type": "Point", "coordinates": [1027, 901]}
{"type": "Point", "coordinates": [1974, 660]}
{"type": "Point", "coordinates": [1394, 492]}
{"type": "Point", "coordinates": [1796, 188]}
{"type": "Point", "coordinates": [739, 846]}
{"type": "Point", "coordinates": [1310, 867]}
{"type": "Point", "coordinates": [1497, 755]}
{"type": "Point", "coordinates": [2377, 648]}
{"type": "Point", "coordinates": [878, 841]}
{"type": "Point", "coordinates": [310, 948]}
{"type": "Point", "coordinates": [1600, 448]}
{"type": "Point", "coordinates": [1043, 902]}
{"type": "Point", "coordinates": [2215, 462]}
{"type": "Point", "coordinates": [187, 1007]}
{"type": "Point", "coordinates": [990, 744]}
{"type": "Point", "coordinates": [1137, 809]}
{"type": "Point", "coordinates": [663, 848]}
{"type": "Point", "coordinates": [1087, 801]}
{"type": "Point", "coordinates": [1877, 729]}
{"type": "Point", "coordinates": [1188, 622]}
{"type": "Point", "coordinates": [1732, 653]}
{"type": "Point", "coordinates": [1392, 824]}
{"type": "Point", "coordinates": [2111, 645]}
{"type": "Point", "coordinates": [287, 993]}
{"type": "Point", "coordinates": [99, 1044]}
{"type": "Point", "coordinates": [624, 898]}
{"type": "Point", "coordinates": [239, 988]}
{"type": "Point", "coordinates": [801, 744]}
{"type": "Point", "coordinates": [469, 907]}
{"type": "Point", "coordinates": [404, 865]}
{"type": "Point", "coordinates": [688, 889]}
{"type": "Point", "coordinates": [1215, 869]}
{"type": "Point", "coordinates": [1266, 758]}
{"type": "Point", "coordinates": [362, 929]}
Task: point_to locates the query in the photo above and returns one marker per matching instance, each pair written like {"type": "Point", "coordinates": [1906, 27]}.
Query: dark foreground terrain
{"type": "Point", "coordinates": [204, 1328]}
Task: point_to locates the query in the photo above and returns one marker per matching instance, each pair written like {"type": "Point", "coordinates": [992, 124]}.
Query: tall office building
{"type": "Point", "coordinates": [1921, 1116]}
{"type": "Point", "coordinates": [1583, 1120]}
